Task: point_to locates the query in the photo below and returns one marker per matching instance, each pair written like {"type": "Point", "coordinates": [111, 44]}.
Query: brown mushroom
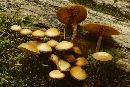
{"type": "Point", "coordinates": [38, 33]}
{"type": "Point", "coordinates": [15, 28]}
{"type": "Point", "coordinates": [25, 31]}
{"type": "Point", "coordinates": [72, 15]}
{"type": "Point", "coordinates": [102, 30]}
{"type": "Point", "coordinates": [56, 74]}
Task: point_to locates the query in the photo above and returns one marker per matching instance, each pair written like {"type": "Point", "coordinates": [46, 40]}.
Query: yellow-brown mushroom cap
{"type": "Point", "coordinates": [54, 58]}
{"type": "Point", "coordinates": [81, 61]}
{"type": "Point", "coordinates": [15, 28]}
{"type": "Point", "coordinates": [30, 46]}
{"type": "Point", "coordinates": [72, 14]}
{"type": "Point", "coordinates": [98, 28]}
{"type": "Point", "coordinates": [52, 32]}
{"type": "Point", "coordinates": [38, 33]}
{"type": "Point", "coordinates": [102, 56]}
{"type": "Point", "coordinates": [52, 43]}
{"type": "Point", "coordinates": [78, 73]}
{"type": "Point", "coordinates": [70, 57]}
{"type": "Point", "coordinates": [64, 45]}
{"type": "Point", "coordinates": [63, 65]}
{"type": "Point", "coordinates": [44, 47]}
{"type": "Point", "coordinates": [77, 50]}
{"type": "Point", "coordinates": [25, 31]}
{"type": "Point", "coordinates": [56, 74]}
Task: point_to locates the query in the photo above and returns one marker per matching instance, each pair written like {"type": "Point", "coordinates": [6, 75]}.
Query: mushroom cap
{"type": "Point", "coordinates": [56, 74]}
{"type": "Point", "coordinates": [72, 14]}
{"type": "Point", "coordinates": [69, 57]}
{"type": "Point", "coordinates": [38, 33]}
{"type": "Point", "coordinates": [63, 65]}
{"type": "Point", "coordinates": [30, 46]}
{"type": "Point", "coordinates": [54, 58]}
{"type": "Point", "coordinates": [64, 45]}
{"type": "Point", "coordinates": [15, 28]}
{"type": "Point", "coordinates": [25, 31]}
{"type": "Point", "coordinates": [44, 47]}
{"type": "Point", "coordinates": [81, 61]}
{"type": "Point", "coordinates": [52, 32]}
{"type": "Point", "coordinates": [52, 43]}
{"type": "Point", "coordinates": [77, 50]}
{"type": "Point", "coordinates": [102, 56]}
{"type": "Point", "coordinates": [78, 73]}
{"type": "Point", "coordinates": [97, 28]}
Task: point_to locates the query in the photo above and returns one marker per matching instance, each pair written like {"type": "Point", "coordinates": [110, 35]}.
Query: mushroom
{"type": "Point", "coordinates": [72, 15]}
{"type": "Point", "coordinates": [44, 47]}
{"type": "Point", "coordinates": [69, 57]}
{"type": "Point", "coordinates": [52, 43]}
{"type": "Point", "coordinates": [15, 28]}
{"type": "Point", "coordinates": [30, 46]}
{"type": "Point", "coordinates": [25, 31]}
{"type": "Point", "coordinates": [81, 61]}
{"type": "Point", "coordinates": [77, 50]}
{"type": "Point", "coordinates": [63, 65]}
{"type": "Point", "coordinates": [56, 74]}
{"type": "Point", "coordinates": [102, 56]}
{"type": "Point", "coordinates": [54, 58]}
{"type": "Point", "coordinates": [78, 73]}
{"type": "Point", "coordinates": [38, 33]}
{"type": "Point", "coordinates": [52, 32]}
{"type": "Point", "coordinates": [64, 45]}
{"type": "Point", "coordinates": [102, 30]}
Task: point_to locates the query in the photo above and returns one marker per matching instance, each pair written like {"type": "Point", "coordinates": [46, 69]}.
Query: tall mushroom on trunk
{"type": "Point", "coordinates": [102, 30]}
{"type": "Point", "coordinates": [72, 15]}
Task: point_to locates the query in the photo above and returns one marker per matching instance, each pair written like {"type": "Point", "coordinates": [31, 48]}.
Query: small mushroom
{"type": "Point", "coordinates": [56, 74]}
{"type": "Point", "coordinates": [64, 45]}
{"type": "Point", "coordinates": [52, 43]}
{"type": "Point", "coordinates": [44, 47]}
{"type": "Point", "coordinates": [72, 15]}
{"type": "Point", "coordinates": [63, 65]}
{"type": "Point", "coordinates": [102, 30]}
{"type": "Point", "coordinates": [30, 46]}
{"type": "Point", "coordinates": [52, 32]}
{"type": "Point", "coordinates": [69, 57]}
{"type": "Point", "coordinates": [81, 61]}
{"type": "Point", "coordinates": [78, 73]}
{"type": "Point", "coordinates": [102, 56]}
{"type": "Point", "coordinates": [77, 50]}
{"type": "Point", "coordinates": [38, 33]}
{"type": "Point", "coordinates": [16, 28]}
{"type": "Point", "coordinates": [25, 32]}
{"type": "Point", "coordinates": [54, 58]}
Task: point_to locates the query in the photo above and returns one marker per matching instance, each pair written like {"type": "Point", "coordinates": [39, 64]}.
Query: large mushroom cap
{"type": "Point", "coordinates": [102, 56]}
{"type": "Point", "coordinates": [44, 47]}
{"type": "Point", "coordinates": [25, 31]}
{"type": "Point", "coordinates": [98, 28]}
{"type": "Point", "coordinates": [31, 46]}
{"type": "Point", "coordinates": [78, 73]}
{"type": "Point", "coordinates": [64, 45]}
{"type": "Point", "coordinates": [38, 33]}
{"type": "Point", "coordinates": [52, 32]}
{"type": "Point", "coordinates": [56, 74]}
{"type": "Point", "coordinates": [16, 28]}
{"type": "Point", "coordinates": [72, 14]}
{"type": "Point", "coordinates": [81, 61]}
{"type": "Point", "coordinates": [63, 65]}
{"type": "Point", "coordinates": [52, 43]}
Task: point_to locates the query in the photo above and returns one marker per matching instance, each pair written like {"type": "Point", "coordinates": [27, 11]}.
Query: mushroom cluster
{"type": "Point", "coordinates": [64, 54]}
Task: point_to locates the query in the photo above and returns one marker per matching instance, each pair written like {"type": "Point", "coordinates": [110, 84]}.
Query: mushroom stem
{"type": "Point", "coordinates": [64, 33]}
{"type": "Point", "coordinates": [74, 31]}
{"type": "Point", "coordinates": [98, 43]}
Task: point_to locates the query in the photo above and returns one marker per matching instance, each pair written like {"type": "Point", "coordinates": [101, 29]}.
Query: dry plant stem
{"type": "Point", "coordinates": [98, 43]}
{"type": "Point", "coordinates": [64, 33]}
{"type": "Point", "coordinates": [74, 31]}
